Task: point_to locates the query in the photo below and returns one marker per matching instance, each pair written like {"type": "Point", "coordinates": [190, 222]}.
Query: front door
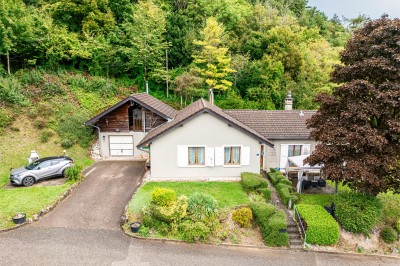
{"type": "Point", "coordinates": [262, 157]}
{"type": "Point", "coordinates": [121, 145]}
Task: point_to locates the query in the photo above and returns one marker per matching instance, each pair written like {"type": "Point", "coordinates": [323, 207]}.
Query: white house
{"type": "Point", "coordinates": [202, 141]}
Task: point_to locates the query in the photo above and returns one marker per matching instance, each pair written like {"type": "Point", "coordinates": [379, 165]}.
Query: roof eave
{"type": "Point", "coordinates": [122, 102]}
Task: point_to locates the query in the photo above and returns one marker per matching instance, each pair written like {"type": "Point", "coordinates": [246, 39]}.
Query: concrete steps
{"type": "Point", "coordinates": [295, 241]}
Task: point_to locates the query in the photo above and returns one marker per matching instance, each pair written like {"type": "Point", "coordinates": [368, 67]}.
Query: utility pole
{"type": "Point", "coordinates": [166, 67]}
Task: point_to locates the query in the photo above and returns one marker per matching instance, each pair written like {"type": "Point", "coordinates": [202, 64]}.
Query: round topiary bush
{"type": "Point", "coordinates": [389, 235]}
{"type": "Point", "coordinates": [242, 217]}
{"type": "Point", "coordinates": [163, 196]}
{"type": "Point", "coordinates": [357, 213]}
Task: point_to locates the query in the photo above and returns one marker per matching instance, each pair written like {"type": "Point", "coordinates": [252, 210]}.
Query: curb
{"type": "Point", "coordinates": [47, 209]}
{"type": "Point", "coordinates": [164, 240]}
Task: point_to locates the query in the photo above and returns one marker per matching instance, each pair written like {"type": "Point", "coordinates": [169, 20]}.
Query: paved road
{"type": "Point", "coordinates": [84, 230]}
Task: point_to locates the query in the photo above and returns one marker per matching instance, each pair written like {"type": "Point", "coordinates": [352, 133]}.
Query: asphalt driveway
{"type": "Point", "coordinates": [99, 201]}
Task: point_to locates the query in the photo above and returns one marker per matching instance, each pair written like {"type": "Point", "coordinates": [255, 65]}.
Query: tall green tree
{"type": "Point", "coordinates": [143, 42]}
{"type": "Point", "coordinates": [15, 28]}
{"type": "Point", "coordinates": [212, 59]}
{"type": "Point", "coordinates": [358, 126]}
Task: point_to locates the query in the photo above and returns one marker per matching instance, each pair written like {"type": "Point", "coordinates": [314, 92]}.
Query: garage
{"type": "Point", "coordinates": [121, 145]}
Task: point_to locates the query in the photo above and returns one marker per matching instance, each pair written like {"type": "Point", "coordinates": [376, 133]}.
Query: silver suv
{"type": "Point", "coordinates": [41, 169]}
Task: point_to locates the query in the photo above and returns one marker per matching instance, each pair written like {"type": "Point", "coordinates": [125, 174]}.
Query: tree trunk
{"type": "Point", "coordinates": [211, 96]}
{"type": "Point", "coordinates": [8, 64]}
{"type": "Point", "coordinates": [166, 67]}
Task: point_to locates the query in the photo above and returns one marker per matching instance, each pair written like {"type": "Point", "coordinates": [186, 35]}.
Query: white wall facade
{"type": "Point", "coordinates": [210, 132]}
{"type": "Point", "coordinates": [137, 137]}
{"type": "Point", "coordinates": [272, 156]}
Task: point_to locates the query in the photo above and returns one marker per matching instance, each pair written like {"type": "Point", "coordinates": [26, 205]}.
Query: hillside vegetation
{"type": "Point", "coordinates": [251, 53]}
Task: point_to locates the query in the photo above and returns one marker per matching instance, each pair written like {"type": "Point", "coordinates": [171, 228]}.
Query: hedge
{"type": "Point", "coordinates": [322, 229]}
{"type": "Point", "coordinates": [262, 211]}
{"type": "Point", "coordinates": [271, 222]}
{"type": "Point", "coordinates": [252, 182]}
{"type": "Point", "coordinates": [357, 213]}
{"type": "Point", "coordinates": [272, 230]}
{"type": "Point", "coordinates": [283, 186]}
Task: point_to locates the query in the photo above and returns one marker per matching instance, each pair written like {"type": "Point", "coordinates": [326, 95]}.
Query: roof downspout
{"type": "Point", "coordinates": [98, 136]}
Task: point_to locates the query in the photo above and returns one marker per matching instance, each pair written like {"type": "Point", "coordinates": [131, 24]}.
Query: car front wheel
{"type": "Point", "coordinates": [28, 181]}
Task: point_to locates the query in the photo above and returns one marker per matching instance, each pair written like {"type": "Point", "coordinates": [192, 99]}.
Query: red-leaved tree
{"type": "Point", "coordinates": [358, 126]}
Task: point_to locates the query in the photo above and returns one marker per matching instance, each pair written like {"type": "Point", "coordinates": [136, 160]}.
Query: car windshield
{"type": "Point", "coordinates": [33, 165]}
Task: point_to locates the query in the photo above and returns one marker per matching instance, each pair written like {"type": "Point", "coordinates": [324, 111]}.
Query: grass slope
{"type": "Point", "coordinates": [228, 194]}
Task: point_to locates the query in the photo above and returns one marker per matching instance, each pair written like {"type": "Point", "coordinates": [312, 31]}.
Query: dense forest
{"type": "Point", "coordinates": [250, 53]}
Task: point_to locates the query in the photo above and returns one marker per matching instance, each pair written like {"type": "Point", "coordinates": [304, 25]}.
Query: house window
{"type": "Point", "coordinates": [196, 155]}
{"type": "Point", "coordinates": [232, 155]}
{"type": "Point", "coordinates": [294, 150]}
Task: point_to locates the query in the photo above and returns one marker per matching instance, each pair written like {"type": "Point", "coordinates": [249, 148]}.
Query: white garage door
{"type": "Point", "coordinates": [121, 145]}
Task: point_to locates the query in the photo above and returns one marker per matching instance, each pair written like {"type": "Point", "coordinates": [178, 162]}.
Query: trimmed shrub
{"type": "Point", "coordinates": [242, 217]}
{"type": "Point", "coordinates": [252, 182]}
{"type": "Point", "coordinates": [322, 229]}
{"type": "Point", "coordinates": [265, 192]}
{"type": "Point", "coordinates": [194, 231]}
{"type": "Point", "coordinates": [262, 211]}
{"type": "Point", "coordinates": [163, 197]}
{"type": "Point", "coordinates": [272, 170]}
{"type": "Point", "coordinates": [389, 235]}
{"type": "Point", "coordinates": [357, 213]}
{"type": "Point", "coordinates": [283, 187]}
{"type": "Point", "coordinates": [174, 212]}
{"type": "Point", "coordinates": [274, 231]}
{"type": "Point", "coordinates": [317, 199]}
{"type": "Point", "coordinates": [391, 207]}
{"type": "Point", "coordinates": [73, 173]}
{"type": "Point", "coordinates": [271, 222]}
{"type": "Point", "coordinates": [202, 206]}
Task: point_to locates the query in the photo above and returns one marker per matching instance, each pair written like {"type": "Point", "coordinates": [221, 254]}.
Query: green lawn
{"type": "Point", "coordinates": [317, 199]}
{"type": "Point", "coordinates": [15, 147]}
{"type": "Point", "coordinates": [228, 194]}
{"type": "Point", "coordinates": [26, 200]}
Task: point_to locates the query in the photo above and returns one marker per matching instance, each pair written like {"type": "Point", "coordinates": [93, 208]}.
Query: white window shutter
{"type": "Point", "coordinates": [182, 156]}
{"type": "Point", "coordinates": [284, 156]}
{"type": "Point", "coordinates": [209, 156]}
{"type": "Point", "coordinates": [245, 156]}
{"type": "Point", "coordinates": [219, 156]}
{"type": "Point", "coordinates": [306, 149]}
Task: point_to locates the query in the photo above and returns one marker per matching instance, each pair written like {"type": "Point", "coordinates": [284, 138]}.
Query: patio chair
{"type": "Point", "coordinates": [306, 184]}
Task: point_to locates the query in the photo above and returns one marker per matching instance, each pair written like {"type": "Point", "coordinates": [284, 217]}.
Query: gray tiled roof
{"type": "Point", "coordinates": [275, 124]}
{"type": "Point", "coordinates": [197, 108]}
{"type": "Point", "coordinates": [156, 104]}
{"type": "Point", "coordinates": [145, 100]}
